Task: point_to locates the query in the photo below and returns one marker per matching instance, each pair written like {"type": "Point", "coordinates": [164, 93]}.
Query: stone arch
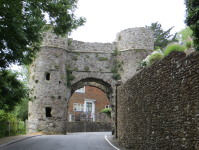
{"type": "Point", "coordinates": [98, 83]}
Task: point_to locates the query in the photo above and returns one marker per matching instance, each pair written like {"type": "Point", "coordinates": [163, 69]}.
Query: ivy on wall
{"type": "Point", "coordinates": [69, 77]}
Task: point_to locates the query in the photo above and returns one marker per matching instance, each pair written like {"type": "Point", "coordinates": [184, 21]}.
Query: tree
{"type": "Point", "coordinates": [161, 38]}
{"type": "Point", "coordinates": [21, 110]}
{"type": "Point", "coordinates": [192, 17]}
{"type": "Point", "coordinates": [183, 35]}
{"type": "Point", "coordinates": [22, 23]}
{"type": "Point", "coordinates": [11, 90]}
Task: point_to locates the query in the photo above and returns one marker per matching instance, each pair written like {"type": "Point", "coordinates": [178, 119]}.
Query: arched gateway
{"type": "Point", "coordinates": [63, 65]}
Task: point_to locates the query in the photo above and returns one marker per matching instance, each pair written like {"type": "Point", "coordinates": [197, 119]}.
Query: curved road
{"type": "Point", "coordinates": [71, 141]}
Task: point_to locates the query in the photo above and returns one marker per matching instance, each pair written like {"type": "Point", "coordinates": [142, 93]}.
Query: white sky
{"type": "Point", "coordinates": [105, 18]}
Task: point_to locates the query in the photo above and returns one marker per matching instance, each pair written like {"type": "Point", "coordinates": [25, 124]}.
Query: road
{"type": "Point", "coordinates": [72, 141]}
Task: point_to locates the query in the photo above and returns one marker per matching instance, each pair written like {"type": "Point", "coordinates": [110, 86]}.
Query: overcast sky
{"type": "Point", "coordinates": [105, 18]}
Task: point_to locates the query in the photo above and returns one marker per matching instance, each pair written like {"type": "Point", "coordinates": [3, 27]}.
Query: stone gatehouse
{"type": "Point", "coordinates": [64, 65]}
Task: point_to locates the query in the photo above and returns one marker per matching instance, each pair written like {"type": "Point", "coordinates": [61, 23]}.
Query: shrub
{"type": "Point", "coordinates": [174, 47]}
{"type": "Point", "coordinates": [86, 68]}
{"type": "Point", "coordinates": [107, 111]}
{"type": "Point", "coordinates": [188, 44]}
{"type": "Point", "coordinates": [87, 56]}
{"type": "Point", "coordinates": [96, 55]}
{"type": "Point", "coordinates": [155, 57]}
{"type": "Point", "coordinates": [116, 76]}
{"type": "Point", "coordinates": [102, 58]}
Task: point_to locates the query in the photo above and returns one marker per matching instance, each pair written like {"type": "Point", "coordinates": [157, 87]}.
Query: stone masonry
{"type": "Point", "coordinates": [158, 108]}
{"type": "Point", "coordinates": [61, 58]}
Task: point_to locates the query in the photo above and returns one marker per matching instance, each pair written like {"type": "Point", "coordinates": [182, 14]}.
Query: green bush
{"type": "Point", "coordinates": [188, 44]}
{"type": "Point", "coordinates": [96, 55]}
{"type": "Point", "coordinates": [102, 58]}
{"type": "Point", "coordinates": [8, 116]}
{"type": "Point", "coordinates": [174, 47]}
{"type": "Point", "coordinates": [116, 76]}
{"type": "Point", "coordinates": [86, 68]}
{"type": "Point", "coordinates": [155, 57]}
{"type": "Point", "coordinates": [107, 111]}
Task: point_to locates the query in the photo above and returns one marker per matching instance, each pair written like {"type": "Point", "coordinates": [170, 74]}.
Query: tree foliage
{"type": "Point", "coordinates": [11, 90]}
{"type": "Point", "coordinates": [183, 35]}
{"type": "Point", "coordinates": [161, 37]}
{"type": "Point", "coordinates": [21, 26]}
{"type": "Point", "coordinates": [22, 23]}
{"type": "Point", "coordinates": [192, 17]}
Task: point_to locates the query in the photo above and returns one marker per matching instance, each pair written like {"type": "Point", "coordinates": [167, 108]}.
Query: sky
{"type": "Point", "coordinates": [105, 18]}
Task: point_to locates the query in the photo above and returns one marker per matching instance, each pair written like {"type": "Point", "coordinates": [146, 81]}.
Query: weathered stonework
{"type": "Point", "coordinates": [158, 108]}
{"type": "Point", "coordinates": [90, 63]}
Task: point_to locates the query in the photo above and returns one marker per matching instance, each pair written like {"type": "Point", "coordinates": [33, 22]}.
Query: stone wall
{"type": "Point", "coordinates": [89, 63]}
{"type": "Point", "coordinates": [135, 38]}
{"type": "Point", "coordinates": [89, 127]}
{"type": "Point", "coordinates": [158, 108]}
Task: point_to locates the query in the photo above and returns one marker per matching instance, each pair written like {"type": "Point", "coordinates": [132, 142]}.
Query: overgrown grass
{"type": "Point", "coordinates": [188, 44]}
{"type": "Point", "coordinates": [155, 57]}
{"type": "Point", "coordinates": [174, 47]}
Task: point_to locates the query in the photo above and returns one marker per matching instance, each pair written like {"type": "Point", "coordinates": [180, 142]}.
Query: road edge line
{"type": "Point", "coordinates": [18, 140]}
{"type": "Point", "coordinates": [110, 143]}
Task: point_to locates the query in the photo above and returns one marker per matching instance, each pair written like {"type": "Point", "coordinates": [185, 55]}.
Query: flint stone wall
{"type": "Point", "coordinates": [158, 108]}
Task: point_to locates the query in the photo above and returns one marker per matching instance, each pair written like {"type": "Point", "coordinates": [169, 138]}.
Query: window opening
{"type": "Point", "coordinates": [35, 97]}
{"type": "Point", "coordinates": [36, 81]}
{"type": "Point", "coordinates": [59, 82]}
{"type": "Point", "coordinates": [59, 97]}
{"type": "Point", "coordinates": [78, 107]}
{"type": "Point", "coordinates": [47, 76]}
{"type": "Point", "coordinates": [48, 112]}
{"type": "Point", "coordinates": [107, 106]}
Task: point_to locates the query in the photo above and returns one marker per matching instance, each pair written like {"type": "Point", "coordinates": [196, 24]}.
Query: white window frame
{"type": "Point", "coordinates": [79, 106]}
{"type": "Point", "coordinates": [81, 90]}
{"type": "Point", "coordinates": [108, 106]}
{"type": "Point", "coordinates": [89, 101]}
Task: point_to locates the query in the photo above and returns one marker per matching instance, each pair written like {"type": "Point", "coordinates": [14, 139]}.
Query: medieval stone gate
{"type": "Point", "coordinates": [64, 65]}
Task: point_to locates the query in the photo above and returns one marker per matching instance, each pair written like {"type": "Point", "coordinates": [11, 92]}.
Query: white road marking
{"type": "Point", "coordinates": [111, 143]}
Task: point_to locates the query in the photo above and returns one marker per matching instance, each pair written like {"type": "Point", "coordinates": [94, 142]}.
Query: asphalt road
{"type": "Point", "coordinates": [72, 141]}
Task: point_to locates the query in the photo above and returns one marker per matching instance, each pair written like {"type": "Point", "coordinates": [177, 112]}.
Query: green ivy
{"type": "Point", "coordinates": [69, 76]}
